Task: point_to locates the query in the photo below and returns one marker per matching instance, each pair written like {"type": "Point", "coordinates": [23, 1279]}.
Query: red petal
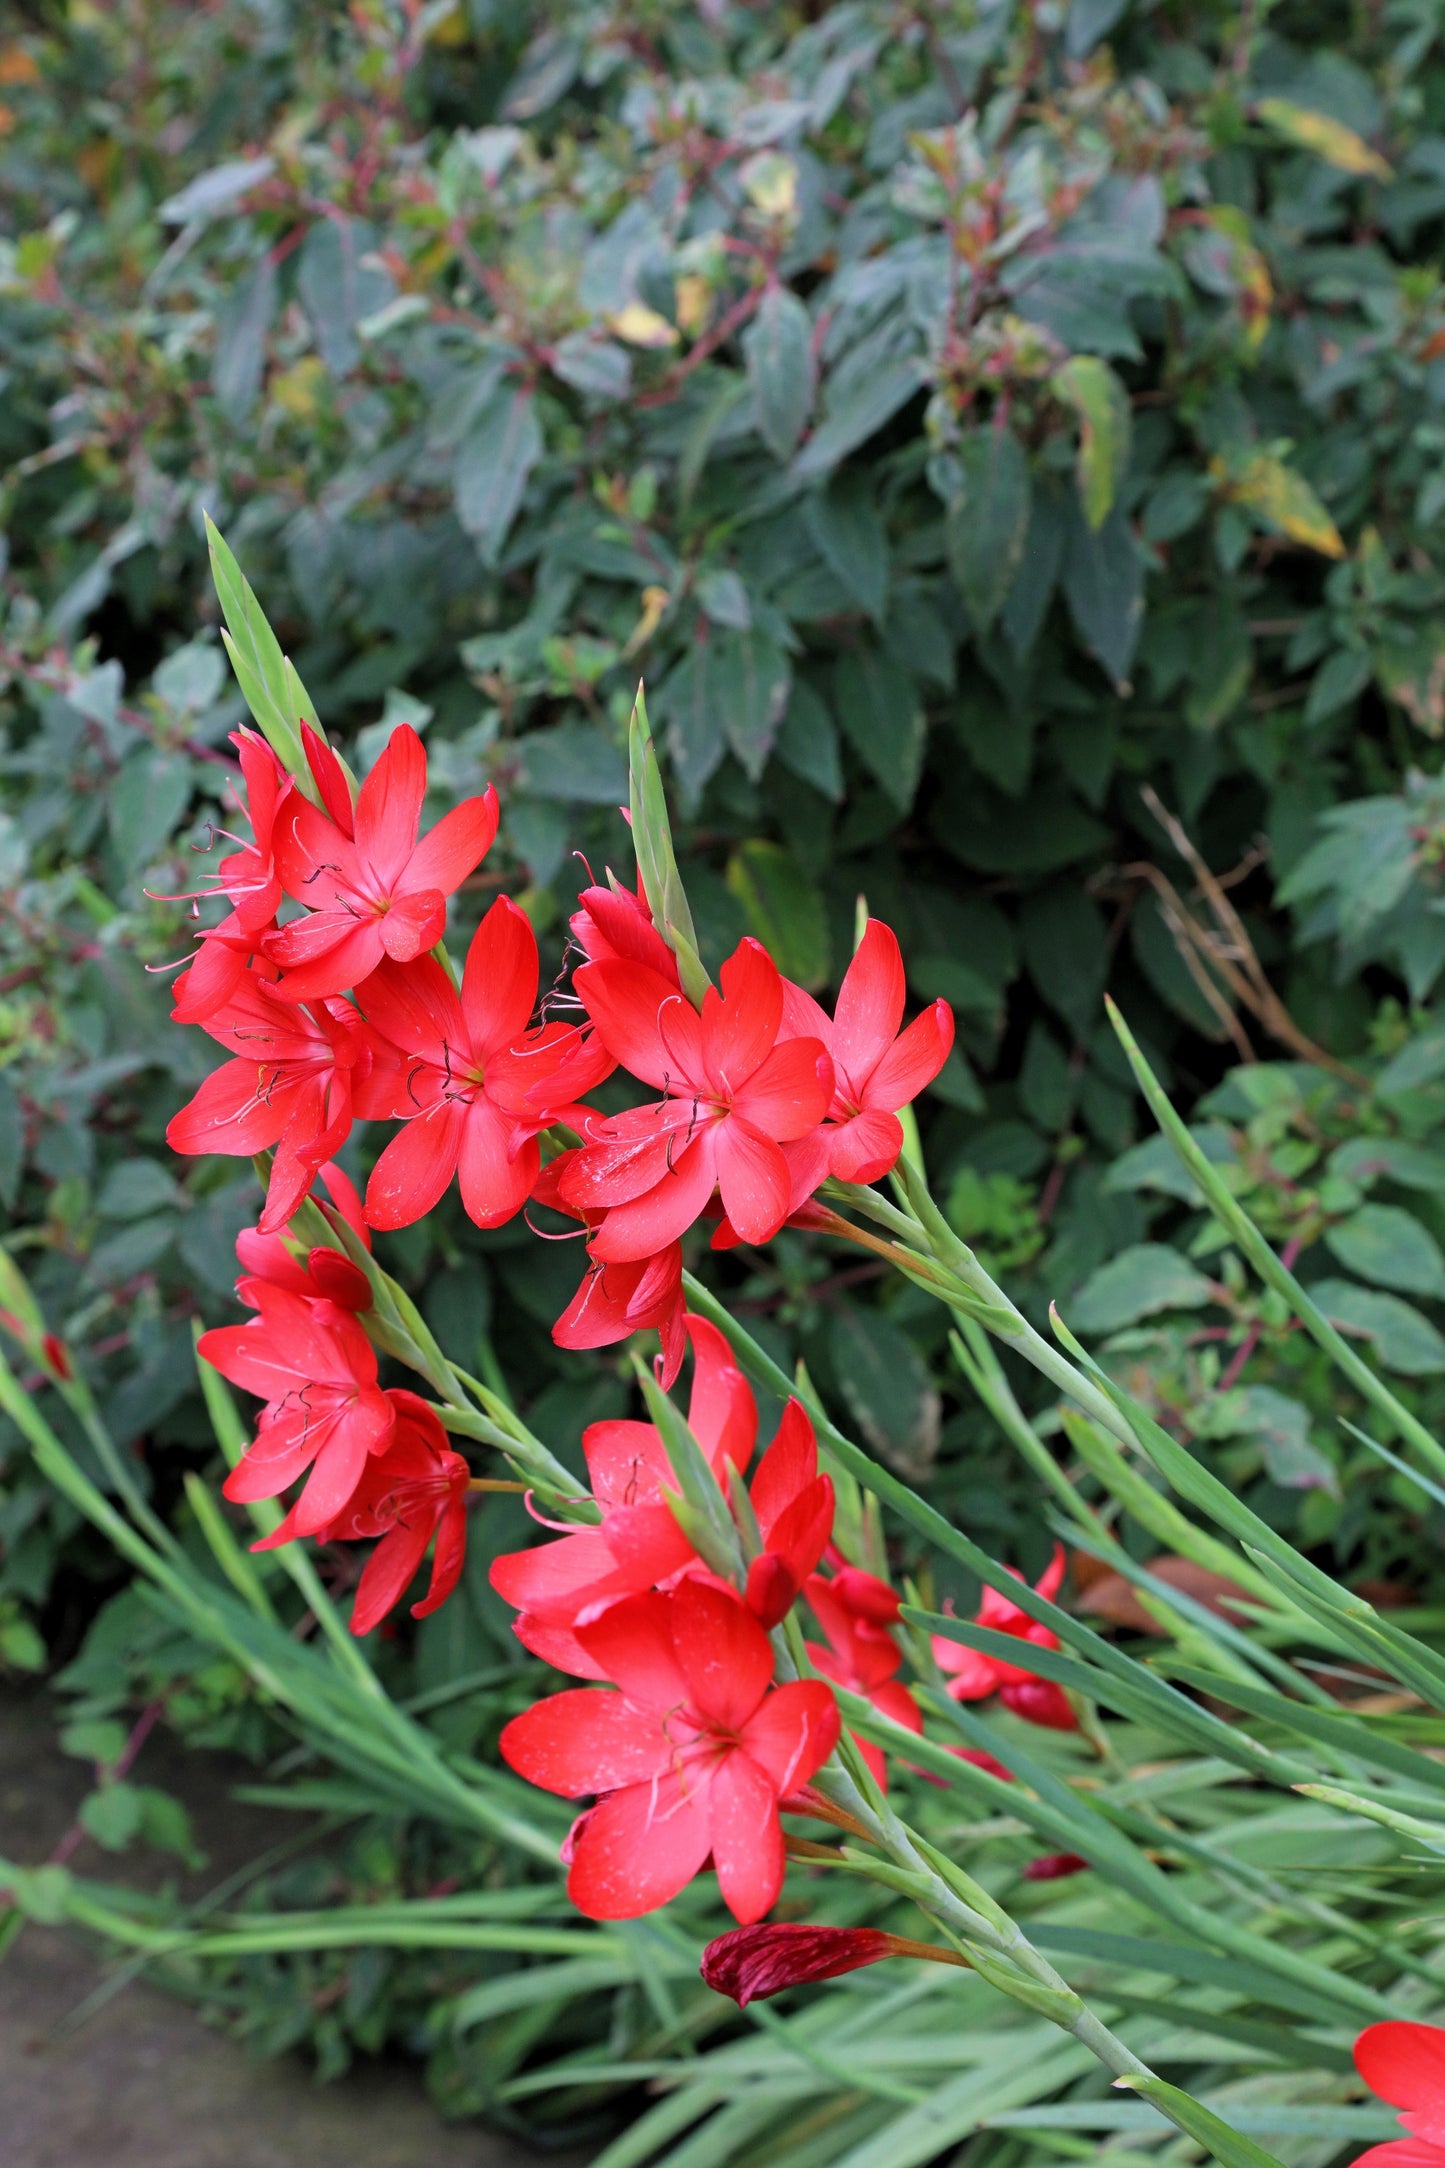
{"type": "Point", "coordinates": [388, 808]}
{"type": "Point", "coordinates": [747, 1838]}
{"type": "Point", "coordinates": [750, 1963]}
{"type": "Point", "coordinates": [787, 1467]}
{"type": "Point", "coordinates": [624, 1001]}
{"type": "Point", "coordinates": [495, 1184]}
{"type": "Point", "coordinates": [554, 1580]}
{"type": "Point", "coordinates": [913, 1060]}
{"type": "Point", "coordinates": [870, 1004]}
{"type": "Point", "coordinates": [1403, 2153]}
{"type": "Point", "coordinates": [233, 1111]}
{"type": "Point", "coordinates": [792, 1733]}
{"type": "Point", "coordinates": [328, 955]}
{"type": "Point", "coordinates": [386, 1575]}
{"type": "Point", "coordinates": [740, 1025]}
{"type": "Point", "coordinates": [721, 1413]}
{"type": "Point", "coordinates": [499, 984]}
{"type": "Point", "coordinates": [455, 847]}
{"type": "Point", "coordinates": [417, 1009]}
{"type": "Point", "coordinates": [638, 1848]}
{"type": "Point", "coordinates": [725, 1657]}
{"type": "Point", "coordinates": [415, 923]}
{"type": "Point", "coordinates": [448, 1559]}
{"type": "Point", "coordinates": [1403, 2062]}
{"type": "Point", "coordinates": [585, 1740]}
{"type": "Point", "coordinates": [330, 779]}
{"type": "Point", "coordinates": [633, 1642]}
{"type": "Point", "coordinates": [789, 1094]}
{"type": "Point", "coordinates": [413, 1172]}
{"type": "Point", "coordinates": [864, 1148]}
{"type": "Point", "coordinates": [648, 1223]}
{"type": "Point", "coordinates": [752, 1175]}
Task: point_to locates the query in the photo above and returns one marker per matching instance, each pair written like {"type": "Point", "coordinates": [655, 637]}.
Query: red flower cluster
{"type": "Point", "coordinates": [972, 1676]}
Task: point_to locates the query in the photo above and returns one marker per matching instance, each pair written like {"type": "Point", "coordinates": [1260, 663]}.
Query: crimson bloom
{"type": "Point", "coordinates": [413, 1490]}
{"type": "Point", "coordinates": [614, 925]}
{"type": "Point", "coordinates": [1404, 2063]}
{"type": "Point", "coordinates": [560, 1586]}
{"type": "Point", "coordinates": [316, 1371]}
{"type": "Point", "coordinates": [972, 1676]}
{"type": "Point", "coordinates": [473, 1084]}
{"type": "Point", "coordinates": [793, 1507]}
{"type": "Point", "coordinates": [733, 1096]}
{"type": "Point", "coordinates": [226, 956]}
{"type": "Point", "coordinates": [248, 876]}
{"type": "Point", "coordinates": [376, 891]}
{"type": "Point", "coordinates": [751, 1963]}
{"type": "Point", "coordinates": [876, 1068]}
{"type": "Point", "coordinates": [615, 1301]}
{"type": "Point", "coordinates": [692, 1753]}
{"type": "Point", "coordinates": [298, 1077]}
{"type": "Point", "coordinates": [327, 1274]}
{"type": "Point", "coordinates": [862, 1655]}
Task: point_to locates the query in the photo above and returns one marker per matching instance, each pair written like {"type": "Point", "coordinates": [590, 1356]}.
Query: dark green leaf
{"type": "Point", "coordinates": [778, 350]}
{"type": "Point", "coordinates": [882, 717]}
{"type": "Point", "coordinates": [1104, 588]}
{"type": "Point", "coordinates": [496, 458]}
{"type": "Point", "coordinates": [846, 526]}
{"type": "Point", "coordinates": [783, 909]}
{"type": "Point", "coordinates": [988, 520]}
{"type": "Point", "coordinates": [1140, 1282]}
{"type": "Point", "coordinates": [242, 329]}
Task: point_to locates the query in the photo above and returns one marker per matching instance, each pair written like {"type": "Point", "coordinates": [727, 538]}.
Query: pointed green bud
{"type": "Point", "coordinates": [656, 859]}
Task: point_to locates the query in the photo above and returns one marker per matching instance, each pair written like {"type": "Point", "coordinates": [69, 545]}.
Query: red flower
{"type": "Point", "coordinates": [474, 1085]}
{"type": "Point", "coordinates": [316, 1371]}
{"type": "Point", "coordinates": [863, 1656]}
{"type": "Point", "coordinates": [1054, 1866]}
{"type": "Point", "coordinates": [751, 1963]}
{"type": "Point", "coordinates": [793, 1507]}
{"type": "Point", "coordinates": [298, 1078]}
{"type": "Point", "coordinates": [692, 1754]}
{"type": "Point", "coordinates": [415, 1489]}
{"type": "Point", "coordinates": [972, 1676]}
{"type": "Point", "coordinates": [734, 1096]}
{"type": "Point", "coordinates": [615, 1301]}
{"type": "Point", "coordinates": [327, 1275]}
{"type": "Point", "coordinates": [560, 1585]}
{"type": "Point", "coordinates": [248, 877]}
{"type": "Point", "coordinates": [225, 957]}
{"type": "Point", "coordinates": [614, 925]}
{"type": "Point", "coordinates": [1405, 2064]}
{"type": "Point", "coordinates": [378, 892]}
{"type": "Point", "coordinates": [876, 1070]}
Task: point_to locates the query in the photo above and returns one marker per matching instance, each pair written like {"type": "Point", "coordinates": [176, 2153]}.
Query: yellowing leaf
{"type": "Point", "coordinates": [296, 388]}
{"type": "Point", "coordinates": [1253, 285]}
{"type": "Point", "coordinates": [1328, 138]}
{"type": "Point", "coordinates": [639, 325]}
{"type": "Point", "coordinates": [694, 302]}
{"type": "Point", "coordinates": [1283, 499]}
{"type": "Point", "coordinates": [18, 66]}
{"type": "Point", "coordinates": [1091, 388]}
{"type": "Point", "coordinates": [771, 181]}
{"type": "Point", "coordinates": [654, 602]}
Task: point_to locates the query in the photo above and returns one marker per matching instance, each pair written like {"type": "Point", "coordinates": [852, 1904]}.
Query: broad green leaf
{"type": "Point", "coordinates": [808, 740]}
{"type": "Point", "coordinates": [879, 708]}
{"type": "Point", "coordinates": [1327, 137]}
{"type": "Point", "coordinates": [1406, 1341]}
{"type": "Point", "coordinates": [748, 676]}
{"type": "Point", "coordinates": [242, 329]}
{"type": "Point", "coordinates": [574, 762]}
{"type": "Point", "coordinates": [1384, 1244]}
{"type": "Point", "coordinates": [783, 908]}
{"type": "Point", "coordinates": [1065, 948]}
{"type": "Point", "coordinates": [146, 801]}
{"type": "Point", "coordinates": [844, 522]}
{"type": "Point", "coordinates": [494, 463]}
{"type": "Point", "coordinates": [886, 1385]}
{"type": "Point", "coordinates": [1091, 388]}
{"type": "Point", "coordinates": [988, 520]}
{"type": "Point", "coordinates": [855, 411]}
{"type": "Point", "coordinates": [1282, 1428]}
{"type": "Point", "coordinates": [1140, 1282]}
{"type": "Point", "coordinates": [1104, 588]}
{"type": "Point", "coordinates": [113, 1815]}
{"type": "Point", "coordinates": [338, 289]}
{"type": "Point", "coordinates": [778, 351]}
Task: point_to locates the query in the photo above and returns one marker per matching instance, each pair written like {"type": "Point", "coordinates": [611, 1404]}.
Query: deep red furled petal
{"type": "Point", "coordinates": [387, 1574]}
{"type": "Point", "coordinates": [388, 808]}
{"type": "Point", "coordinates": [615, 925]}
{"type": "Point", "coordinates": [457, 845]}
{"type": "Point", "coordinates": [740, 1025]}
{"type": "Point", "coordinates": [724, 1655]}
{"type": "Point", "coordinates": [235, 1110]}
{"type": "Point", "coordinates": [892, 1699]}
{"type": "Point", "coordinates": [648, 1223]}
{"type": "Point", "coordinates": [633, 1643]}
{"type": "Point", "coordinates": [752, 1176]}
{"type": "Point", "coordinates": [1039, 1701]}
{"type": "Point", "coordinates": [499, 983]}
{"type": "Point", "coordinates": [912, 1061]}
{"type": "Point", "coordinates": [638, 1848]}
{"type": "Point", "coordinates": [414, 1171]}
{"type": "Point", "coordinates": [448, 1559]}
{"type": "Point", "coordinates": [866, 1596]}
{"type": "Point", "coordinates": [585, 1740]}
{"type": "Point", "coordinates": [1404, 2063]}
{"type": "Point", "coordinates": [721, 1413]}
{"type": "Point", "coordinates": [751, 1963]}
{"type": "Point", "coordinates": [770, 1590]}
{"type": "Point", "coordinates": [1055, 1866]}
{"type": "Point", "coordinates": [747, 1838]}
{"type": "Point", "coordinates": [800, 1534]}
{"type": "Point", "coordinates": [624, 1001]}
{"type": "Point", "coordinates": [792, 1732]}
{"type": "Point", "coordinates": [789, 1094]}
{"type": "Point", "coordinates": [787, 1467]}
{"type": "Point", "coordinates": [415, 923]}
{"type": "Point", "coordinates": [338, 1279]}
{"type": "Point", "coordinates": [870, 1004]}
{"type": "Point", "coordinates": [330, 779]}
{"type": "Point", "coordinates": [1051, 1580]}
{"type": "Point", "coordinates": [495, 1181]}
{"type": "Point", "coordinates": [865, 1148]}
